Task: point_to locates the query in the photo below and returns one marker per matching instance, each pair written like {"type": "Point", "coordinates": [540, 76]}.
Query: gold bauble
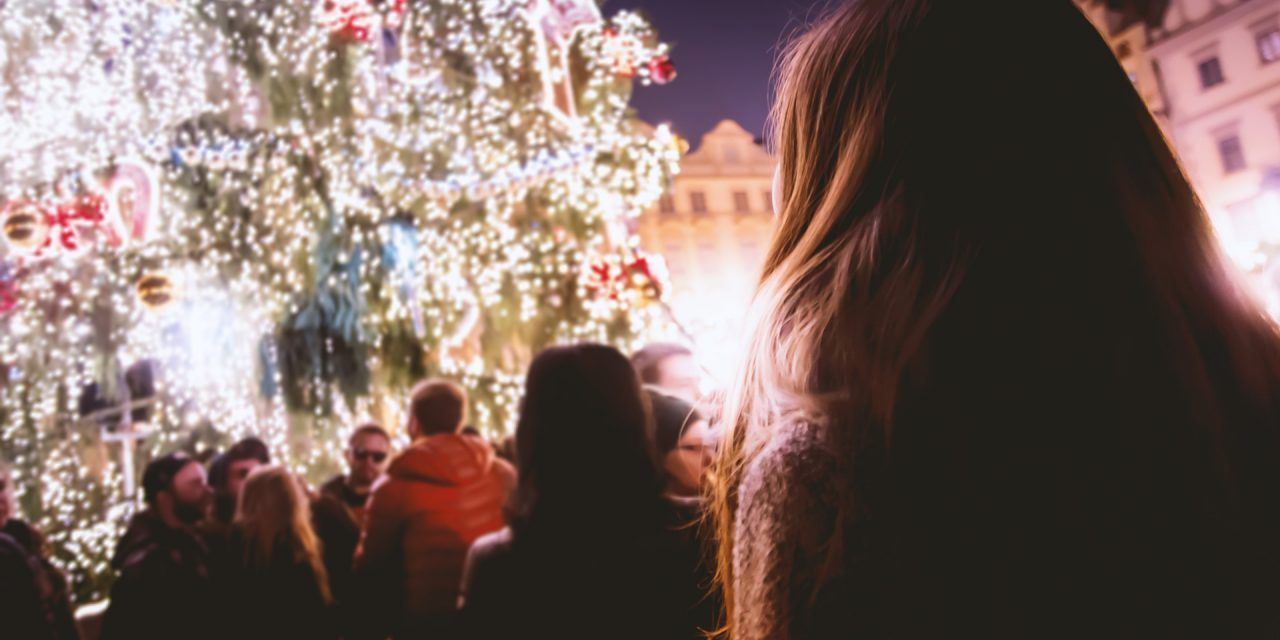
{"type": "Point", "coordinates": [25, 226]}
{"type": "Point", "coordinates": [155, 290]}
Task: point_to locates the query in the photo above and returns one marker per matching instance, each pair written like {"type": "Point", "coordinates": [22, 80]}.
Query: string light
{"type": "Point", "coordinates": [288, 214]}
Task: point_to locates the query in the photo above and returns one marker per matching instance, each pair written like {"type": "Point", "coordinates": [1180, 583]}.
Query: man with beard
{"type": "Point", "coordinates": [164, 589]}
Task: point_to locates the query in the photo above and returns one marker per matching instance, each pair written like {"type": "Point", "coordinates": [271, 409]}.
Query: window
{"type": "Point", "coordinates": [667, 204]}
{"type": "Point", "coordinates": [698, 202]}
{"type": "Point", "coordinates": [1211, 72]}
{"type": "Point", "coordinates": [1268, 39]}
{"type": "Point", "coordinates": [740, 203]}
{"type": "Point", "coordinates": [1232, 152]}
{"type": "Point", "coordinates": [768, 200]}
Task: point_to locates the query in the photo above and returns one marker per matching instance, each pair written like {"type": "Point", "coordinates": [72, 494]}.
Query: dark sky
{"type": "Point", "coordinates": [723, 51]}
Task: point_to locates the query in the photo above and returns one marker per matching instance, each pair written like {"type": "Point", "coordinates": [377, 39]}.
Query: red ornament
{"type": "Point", "coordinates": [8, 295]}
{"type": "Point", "coordinates": [71, 217]}
{"type": "Point", "coordinates": [662, 70]}
{"type": "Point", "coordinates": [353, 20]}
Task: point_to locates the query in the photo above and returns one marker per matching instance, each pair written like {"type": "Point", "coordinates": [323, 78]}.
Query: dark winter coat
{"type": "Point", "coordinates": [279, 600]}
{"type": "Point", "coordinates": [164, 588]}
{"type": "Point", "coordinates": [624, 586]}
{"type": "Point", "coordinates": [337, 514]}
{"type": "Point", "coordinates": [35, 604]}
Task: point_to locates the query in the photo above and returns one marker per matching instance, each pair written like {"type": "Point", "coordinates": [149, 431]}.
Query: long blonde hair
{"type": "Point", "coordinates": [274, 514]}
{"type": "Point", "coordinates": [914, 194]}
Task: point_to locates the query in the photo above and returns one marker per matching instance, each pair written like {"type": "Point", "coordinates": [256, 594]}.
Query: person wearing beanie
{"type": "Point", "coordinates": [684, 443]}
{"type": "Point", "coordinates": [164, 586]}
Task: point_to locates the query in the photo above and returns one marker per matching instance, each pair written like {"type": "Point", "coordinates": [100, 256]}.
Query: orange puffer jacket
{"type": "Point", "coordinates": [439, 495]}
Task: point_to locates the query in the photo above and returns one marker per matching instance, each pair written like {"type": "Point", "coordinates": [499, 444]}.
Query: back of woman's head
{"type": "Point", "coordinates": [274, 518]}
{"type": "Point", "coordinates": [986, 248]}
{"type": "Point", "coordinates": [584, 442]}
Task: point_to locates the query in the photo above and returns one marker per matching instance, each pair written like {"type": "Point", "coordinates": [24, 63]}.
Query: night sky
{"type": "Point", "coordinates": [724, 52]}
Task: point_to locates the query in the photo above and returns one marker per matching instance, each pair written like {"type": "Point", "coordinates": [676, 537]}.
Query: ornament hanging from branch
{"type": "Point", "coordinates": [155, 291]}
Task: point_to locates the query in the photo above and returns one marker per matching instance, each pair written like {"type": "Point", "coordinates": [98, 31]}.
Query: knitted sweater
{"type": "Point", "coordinates": [786, 518]}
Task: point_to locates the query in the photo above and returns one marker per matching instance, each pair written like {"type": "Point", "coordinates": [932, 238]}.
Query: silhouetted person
{"type": "Point", "coordinates": [164, 586]}
{"type": "Point", "coordinates": [1001, 382]}
{"type": "Point", "coordinates": [684, 441]}
{"type": "Point", "coordinates": [594, 549]}
{"type": "Point", "coordinates": [338, 513]}
{"type": "Point", "coordinates": [227, 475]}
{"type": "Point", "coordinates": [35, 601]}
{"type": "Point", "coordinates": [670, 367]}
{"type": "Point", "coordinates": [441, 493]}
{"type": "Point", "coordinates": [274, 585]}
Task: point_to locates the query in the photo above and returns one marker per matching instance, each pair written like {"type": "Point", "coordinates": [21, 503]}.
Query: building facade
{"type": "Point", "coordinates": [1210, 71]}
{"type": "Point", "coordinates": [1219, 62]}
{"type": "Point", "coordinates": [712, 228]}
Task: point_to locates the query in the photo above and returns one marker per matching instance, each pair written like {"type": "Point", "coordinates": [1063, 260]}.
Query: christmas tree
{"type": "Point", "coordinates": [271, 217]}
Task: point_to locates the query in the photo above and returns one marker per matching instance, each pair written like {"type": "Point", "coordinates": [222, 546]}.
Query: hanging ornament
{"type": "Point", "coordinates": [132, 198]}
{"type": "Point", "coordinates": [75, 221]}
{"type": "Point", "coordinates": [155, 290]}
{"type": "Point", "coordinates": [355, 20]}
{"type": "Point", "coordinates": [8, 290]}
{"type": "Point", "coordinates": [26, 226]}
{"type": "Point", "coordinates": [662, 70]}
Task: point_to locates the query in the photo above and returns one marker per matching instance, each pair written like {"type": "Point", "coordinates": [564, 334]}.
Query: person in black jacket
{"type": "Point", "coordinates": [589, 516]}
{"type": "Point", "coordinates": [35, 604]}
{"type": "Point", "coordinates": [275, 581]}
{"type": "Point", "coordinates": [164, 585]}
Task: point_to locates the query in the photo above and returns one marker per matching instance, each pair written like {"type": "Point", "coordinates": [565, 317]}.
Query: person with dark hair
{"type": "Point", "coordinates": [589, 517]}
{"type": "Point", "coordinates": [338, 512]}
{"type": "Point", "coordinates": [275, 581]}
{"type": "Point", "coordinates": [441, 493]}
{"type": "Point", "coordinates": [669, 367]}
{"type": "Point", "coordinates": [684, 443]}
{"type": "Point", "coordinates": [1002, 382]}
{"type": "Point", "coordinates": [35, 603]}
{"type": "Point", "coordinates": [227, 476]}
{"type": "Point", "coordinates": [164, 585]}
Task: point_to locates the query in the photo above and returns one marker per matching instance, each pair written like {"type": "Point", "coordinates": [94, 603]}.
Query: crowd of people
{"type": "Point", "coordinates": [593, 522]}
{"type": "Point", "coordinates": [999, 383]}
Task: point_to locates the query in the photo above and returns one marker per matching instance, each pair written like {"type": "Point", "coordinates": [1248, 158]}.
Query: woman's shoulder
{"type": "Point", "coordinates": [793, 462]}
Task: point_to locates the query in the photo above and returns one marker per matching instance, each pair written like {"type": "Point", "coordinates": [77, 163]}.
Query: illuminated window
{"type": "Point", "coordinates": [667, 204]}
{"type": "Point", "coordinates": [1211, 72]}
{"type": "Point", "coordinates": [1232, 152]}
{"type": "Point", "coordinates": [698, 202]}
{"type": "Point", "coordinates": [1268, 39]}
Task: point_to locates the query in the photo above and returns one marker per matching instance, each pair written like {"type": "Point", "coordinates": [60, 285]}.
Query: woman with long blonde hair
{"type": "Point", "coordinates": [1001, 382]}
{"type": "Point", "coordinates": [276, 583]}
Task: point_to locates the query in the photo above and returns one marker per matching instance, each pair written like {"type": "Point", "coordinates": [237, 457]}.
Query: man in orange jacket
{"type": "Point", "coordinates": [438, 496]}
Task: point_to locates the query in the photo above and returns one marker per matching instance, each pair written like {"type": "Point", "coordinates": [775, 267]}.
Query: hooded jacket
{"type": "Point", "coordinates": [438, 497]}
